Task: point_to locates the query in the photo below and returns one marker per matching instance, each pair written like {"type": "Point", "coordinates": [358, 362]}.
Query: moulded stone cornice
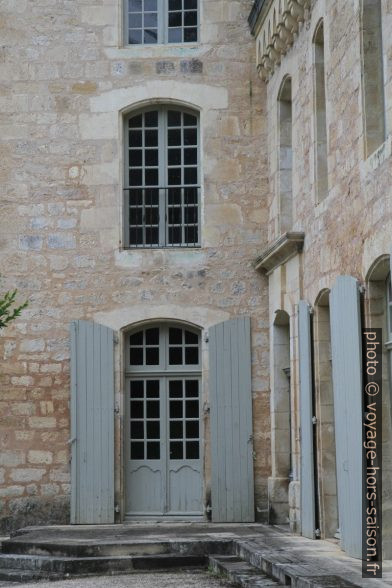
{"type": "Point", "coordinates": [278, 23]}
{"type": "Point", "coordinates": [280, 251]}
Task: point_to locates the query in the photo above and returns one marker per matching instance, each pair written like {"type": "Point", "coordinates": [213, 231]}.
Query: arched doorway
{"type": "Point", "coordinates": [162, 429]}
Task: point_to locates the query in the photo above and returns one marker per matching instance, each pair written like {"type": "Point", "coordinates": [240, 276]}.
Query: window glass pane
{"type": "Point", "coordinates": [175, 216]}
{"type": "Point", "coordinates": [136, 338]}
{"type": "Point", "coordinates": [153, 450]}
{"type": "Point", "coordinates": [150, 5]}
{"type": "Point", "coordinates": [152, 336]}
{"type": "Point", "coordinates": [175, 35]}
{"type": "Point", "coordinates": [176, 450]}
{"type": "Point", "coordinates": [175, 19]}
{"type": "Point", "coordinates": [175, 4]}
{"type": "Point", "coordinates": [192, 409]}
{"type": "Point", "coordinates": [150, 36]}
{"type": "Point", "coordinates": [152, 409]}
{"type": "Point", "coordinates": [175, 336]}
{"type": "Point", "coordinates": [190, 175]}
{"type": "Point", "coordinates": [136, 357]}
{"type": "Point", "coordinates": [190, 4]}
{"type": "Point", "coordinates": [137, 430]}
{"type": "Point", "coordinates": [174, 196]}
{"type": "Point", "coordinates": [153, 430]}
{"type": "Point", "coordinates": [136, 122]}
{"type": "Point", "coordinates": [135, 5]}
{"type": "Point", "coordinates": [152, 388]}
{"type": "Point", "coordinates": [174, 176]}
{"type": "Point", "coordinates": [135, 138]}
{"type": "Point", "coordinates": [192, 429]}
{"type": "Point", "coordinates": [151, 20]}
{"type": "Point", "coordinates": [137, 389]}
{"type": "Point", "coordinates": [151, 157]}
{"type": "Point", "coordinates": [176, 430]}
{"type": "Point", "coordinates": [190, 156]}
{"type": "Point", "coordinates": [190, 136]}
{"type": "Point", "coordinates": [174, 137]}
{"type": "Point", "coordinates": [151, 118]}
{"type": "Point", "coordinates": [175, 388]}
{"type": "Point", "coordinates": [151, 177]}
{"type": "Point", "coordinates": [174, 156]}
{"type": "Point", "coordinates": [190, 35]}
{"type": "Point", "coordinates": [135, 36]}
{"type": "Point", "coordinates": [137, 409]}
{"type": "Point", "coordinates": [137, 450]}
{"type": "Point", "coordinates": [192, 450]}
{"type": "Point", "coordinates": [190, 18]}
{"type": "Point", "coordinates": [136, 157]}
{"type": "Point", "coordinates": [191, 355]}
{"type": "Point", "coordinates": [152, 356]}
{"type": "Point", "coordinates": [175, 356]}
{"type": "Point", "coordinates": [136, 20]}
{"type": "Point", "coordinates": [192, 388]}
{"type": "Point", "coordinates": [174, 118]}
{"type": "Point", "coordinates": [175, 409]}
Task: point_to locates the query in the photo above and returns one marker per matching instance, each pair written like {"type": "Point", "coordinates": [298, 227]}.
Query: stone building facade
{"type": "Point", "coordinates": [69, 80]}
{"type": "Point", "coordinates": [292, 198]}
{"type": "Point", "coordinates": [327, 72]}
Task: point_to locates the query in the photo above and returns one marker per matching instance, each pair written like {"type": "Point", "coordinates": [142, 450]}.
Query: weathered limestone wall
{"type": "Point", "coordinates": [65, 81]}
{"type": "Point", "coordinates": [352, 226]}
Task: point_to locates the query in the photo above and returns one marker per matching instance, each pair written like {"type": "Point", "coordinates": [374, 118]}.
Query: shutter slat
{"type": "Point", "coordinates": [232, 483]}
{"type": "Point", "coordinates": [347, 384]}
{"type": "Point", "coordinates": [306, 414]}
{"type": "Point", "coordinates": [92, 423]}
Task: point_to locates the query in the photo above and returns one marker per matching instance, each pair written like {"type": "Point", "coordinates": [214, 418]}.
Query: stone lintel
{"type": "Point", "coordinates": [281, 250]}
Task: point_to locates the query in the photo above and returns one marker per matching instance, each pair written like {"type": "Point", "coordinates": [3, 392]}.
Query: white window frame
{"type": "Point", "coordinates": [163, 186]}
{"type": "Point", "coordinates": [163, 26]}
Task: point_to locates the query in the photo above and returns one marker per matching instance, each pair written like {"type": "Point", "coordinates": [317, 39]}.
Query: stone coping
{"type": "Point", "coordinates": [280, 251]}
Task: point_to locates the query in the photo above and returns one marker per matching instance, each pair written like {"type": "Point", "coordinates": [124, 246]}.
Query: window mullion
{"type": "Point", "coordinates": [162, 175]}
{"type": "Point", "coordinates": [162, 15]}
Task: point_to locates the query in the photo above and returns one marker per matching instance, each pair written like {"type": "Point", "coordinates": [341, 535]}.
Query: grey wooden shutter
{"type": "Point", "coordinates": [92, 423]}
{"type": "Point", "coordinates": [306, 414]}
{"type": "Point", "coordinates": [232, 484]}
{"type": "Point", "coordinates": [347, 386]}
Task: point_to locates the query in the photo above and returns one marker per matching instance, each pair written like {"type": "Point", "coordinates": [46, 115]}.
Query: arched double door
{"type": "Point", "coordinates": [163, 465]}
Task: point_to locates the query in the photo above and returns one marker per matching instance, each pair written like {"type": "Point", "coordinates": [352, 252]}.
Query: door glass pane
{"type": "Point", "coordinates": [184, 420]}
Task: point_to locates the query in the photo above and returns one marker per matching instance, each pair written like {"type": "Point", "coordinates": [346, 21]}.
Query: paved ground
{"type": "Point", "coordinates": [191, 579]}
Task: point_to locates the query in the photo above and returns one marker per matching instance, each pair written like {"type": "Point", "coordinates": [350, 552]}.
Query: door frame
{"type": "Point", "coordinates": [126, 375]}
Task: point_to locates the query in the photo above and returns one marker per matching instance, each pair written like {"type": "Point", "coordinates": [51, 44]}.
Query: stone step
{"type": "Point", "coordinates": [46, 567]}
{"type": "Point", "coordinates": [24, 546]}
{"type": "Point", "coordinates": [239, 572]}
{"type": "Point", "coordinates": [288, 569]}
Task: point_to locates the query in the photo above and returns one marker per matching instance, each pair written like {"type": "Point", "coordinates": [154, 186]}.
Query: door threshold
{"type": "Point", "coordinates": [163, 519]}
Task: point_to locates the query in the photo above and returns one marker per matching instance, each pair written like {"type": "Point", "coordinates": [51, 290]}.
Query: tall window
{"type": "Point", "coordinates": [161, 21]}
{"type": "Point", "coordinates": [321, 151]}
{"type": "Point", "coordinates": [372, 75]}
{"type": "Point", "coordinates": [285, 157]}
{"type": "Point", "coordinates": [162, 178]}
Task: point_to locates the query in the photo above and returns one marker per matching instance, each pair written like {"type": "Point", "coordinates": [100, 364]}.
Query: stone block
{"type": "Point", "coordinates": [42, 422]}
{"type": "Point", "coordinates": [61, 241]}
{"type": "Point", "coordinates": [40, 457]}
{"type": "Point", "coordinates": [27, 475]}
{"type": "Point", "coordinates": [32, 345]}
{"type": "Point", "coordinates": [30, 243]}
{"type": "Point", "coordinates": [9, 458]}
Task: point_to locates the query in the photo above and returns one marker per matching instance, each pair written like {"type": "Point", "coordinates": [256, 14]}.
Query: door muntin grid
{"type": "Point", "coordinates": [148, 22]}
{"type": "Point", "coordinates": [162, 178]}
{"type": "Point", "coordinates": [184, 419]}
{"type": "Point", "coordinates": [145, 419]}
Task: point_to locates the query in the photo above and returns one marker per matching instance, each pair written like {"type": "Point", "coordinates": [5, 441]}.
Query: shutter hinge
{"type": "Point", "coordinates": [117, 508]}
{"type": "Point", "coordinates": [206, 408]}
{"type": "Point", "coordinates": [116, 409]}
{"type": "Point", "coordinates": [116, 339]}
{"type": "Point", "coordinates": [314, 420]}
{"type": "Point", "coordinates": [317, 533]}
{"type": "Point", "coordinates": [206, 338]}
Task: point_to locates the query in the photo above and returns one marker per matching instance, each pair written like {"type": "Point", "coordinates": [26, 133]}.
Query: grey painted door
{"type": "Point", "coordinates": [232, 483]}
{"type": "Point", "coordinates": [306, 414]}
{"type": "Point", "coordinates": [92, 424]}
{"type": "Point", "coordinates": [163, 471]}
{"type": "Point", "coordinates": [347, 384]}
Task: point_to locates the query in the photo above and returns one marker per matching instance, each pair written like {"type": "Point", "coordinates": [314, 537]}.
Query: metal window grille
{"type": "Point", "coordinates": [161, 21]}
{"type": "Point", "coordinates": [163, 195]}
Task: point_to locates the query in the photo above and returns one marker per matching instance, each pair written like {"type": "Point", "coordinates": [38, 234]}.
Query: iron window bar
{"type": "Point", "coordinates": [163, 216]}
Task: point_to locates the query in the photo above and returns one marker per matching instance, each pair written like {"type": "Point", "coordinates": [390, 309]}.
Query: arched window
{"type": "Point", "coordinates": [162, 178]}
{"type": "Point", "coordinates": [163, 425]}
{"type": "Point", "coordinates": [285, 157]}
{"type": "Point", "coordinates": [150, 22]}
{"type": "Point", "coordinates": [321, 150]}
{"type": "Point", "coordinates": [372, 75]}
